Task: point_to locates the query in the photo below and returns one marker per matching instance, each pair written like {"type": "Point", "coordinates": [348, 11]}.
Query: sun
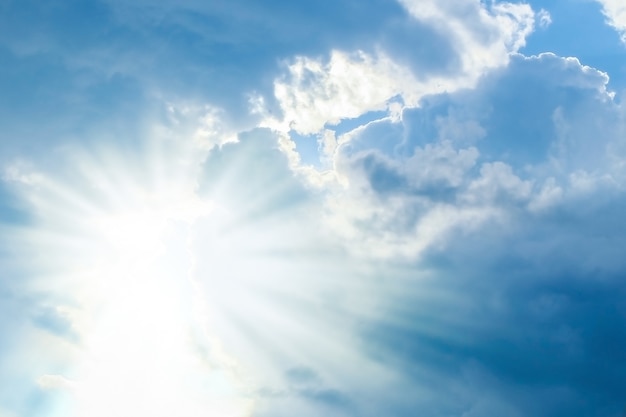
{"type": "Point", "coordinates": [120, 238]}
{"type": "Point", "coordinates": [183, 300]}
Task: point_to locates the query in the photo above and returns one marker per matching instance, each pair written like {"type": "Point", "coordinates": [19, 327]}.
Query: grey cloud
{"type": "Point", "coordinates": [302, 375]}
{"type": "Point", "coordinates": [518, 319]}
{"type": "Point", "coordinates": [537, 116]}
{"type": "Point", "coordinates": [541, 330]}
{"type": "Point", "coordinates": [522, 314]}
{"type": "Point", "coordinates": [423, 48]}
{"type": "Point", "coordinates": [329, 397]}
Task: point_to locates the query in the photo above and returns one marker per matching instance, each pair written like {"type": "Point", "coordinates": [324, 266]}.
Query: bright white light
{"type": "Point", "coordinates": [120, 241]}
{"type": "Point", "coordinates": [186, 305]}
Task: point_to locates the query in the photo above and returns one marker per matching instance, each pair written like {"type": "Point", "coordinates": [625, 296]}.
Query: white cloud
{"type": "Point", "coordinates": [21, 172]}
{"type": "Point", "coordinates": [544, 18]}
{"type": "Point", "coordinates": [497, 182]}
{"type": "Point", "coordinates": [314, 93]}
{"type": "Point", "coordinates": [441, 170]}
{"type": "Point", "coordinates": [459, 128]}
{"type": "Point", "coordinates": [615, 12]}
{"type": "Point", "coordinates": [548, 196]}
{"type": "Point", "coordinates": [48, 382]}
{"type": "Point", "coordinates": [484, 34]}
{"type": "Point", "coordinates": [439, 165]}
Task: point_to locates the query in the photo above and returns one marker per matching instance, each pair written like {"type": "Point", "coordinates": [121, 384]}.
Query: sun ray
{"type": "Point", "coordinates": [107, 235]}
{"type": "Point", "coordinates": [194, 276]}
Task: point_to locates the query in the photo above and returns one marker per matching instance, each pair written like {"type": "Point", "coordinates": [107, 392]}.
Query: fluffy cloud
{"type": "Point", "coordinates": [517, 235]}
{"type": "Point", "coordinates": [314, 93]}
{"type": "Point", "coordinates": [483, 35]}
{"type": "Point", "coordinates": [315, 96]}
{"type": "Point", "coordinates": [496, 272]}
{"type": "Point", "coordinates": [615, 12]}
{"type": "Point", "coordinates": [514, 150]}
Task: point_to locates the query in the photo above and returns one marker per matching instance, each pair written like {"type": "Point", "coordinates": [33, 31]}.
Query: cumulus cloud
{"type": "Point", "coordinates": [439, 165]}
{"type": "Point", "coordinates": [490, 195]}
{"type": "Point", "coordinates": [483, 34]}
{"type": "Point", "coordinates": [615, 13]}
{"type": "Point", "coordinates": [496, 186]}
{"type": "Point", "coordinates": [315, 93]}
{"type": "Point", "coordinates": [513, 208]}
{"type": "Point", "coordinates": [514, 149]}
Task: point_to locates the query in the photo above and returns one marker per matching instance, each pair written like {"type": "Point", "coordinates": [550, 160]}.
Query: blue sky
{"type": "Point", "coordinates": [388, 207]}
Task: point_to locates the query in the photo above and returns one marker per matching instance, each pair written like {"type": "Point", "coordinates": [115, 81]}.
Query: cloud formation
{"type": "Point", "coordinates": [615, 13]}
{"type": "Point", "coordinates": [315, 209]}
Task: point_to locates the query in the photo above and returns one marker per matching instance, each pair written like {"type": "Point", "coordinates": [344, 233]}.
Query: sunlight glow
{"type": "Point", "coordinates": [123, 246]}
{"type": "Point", "coordinates": [172, 290]}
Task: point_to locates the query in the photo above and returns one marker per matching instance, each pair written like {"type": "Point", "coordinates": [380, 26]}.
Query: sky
{"type": "Point", "coordinates": [332, 208]}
